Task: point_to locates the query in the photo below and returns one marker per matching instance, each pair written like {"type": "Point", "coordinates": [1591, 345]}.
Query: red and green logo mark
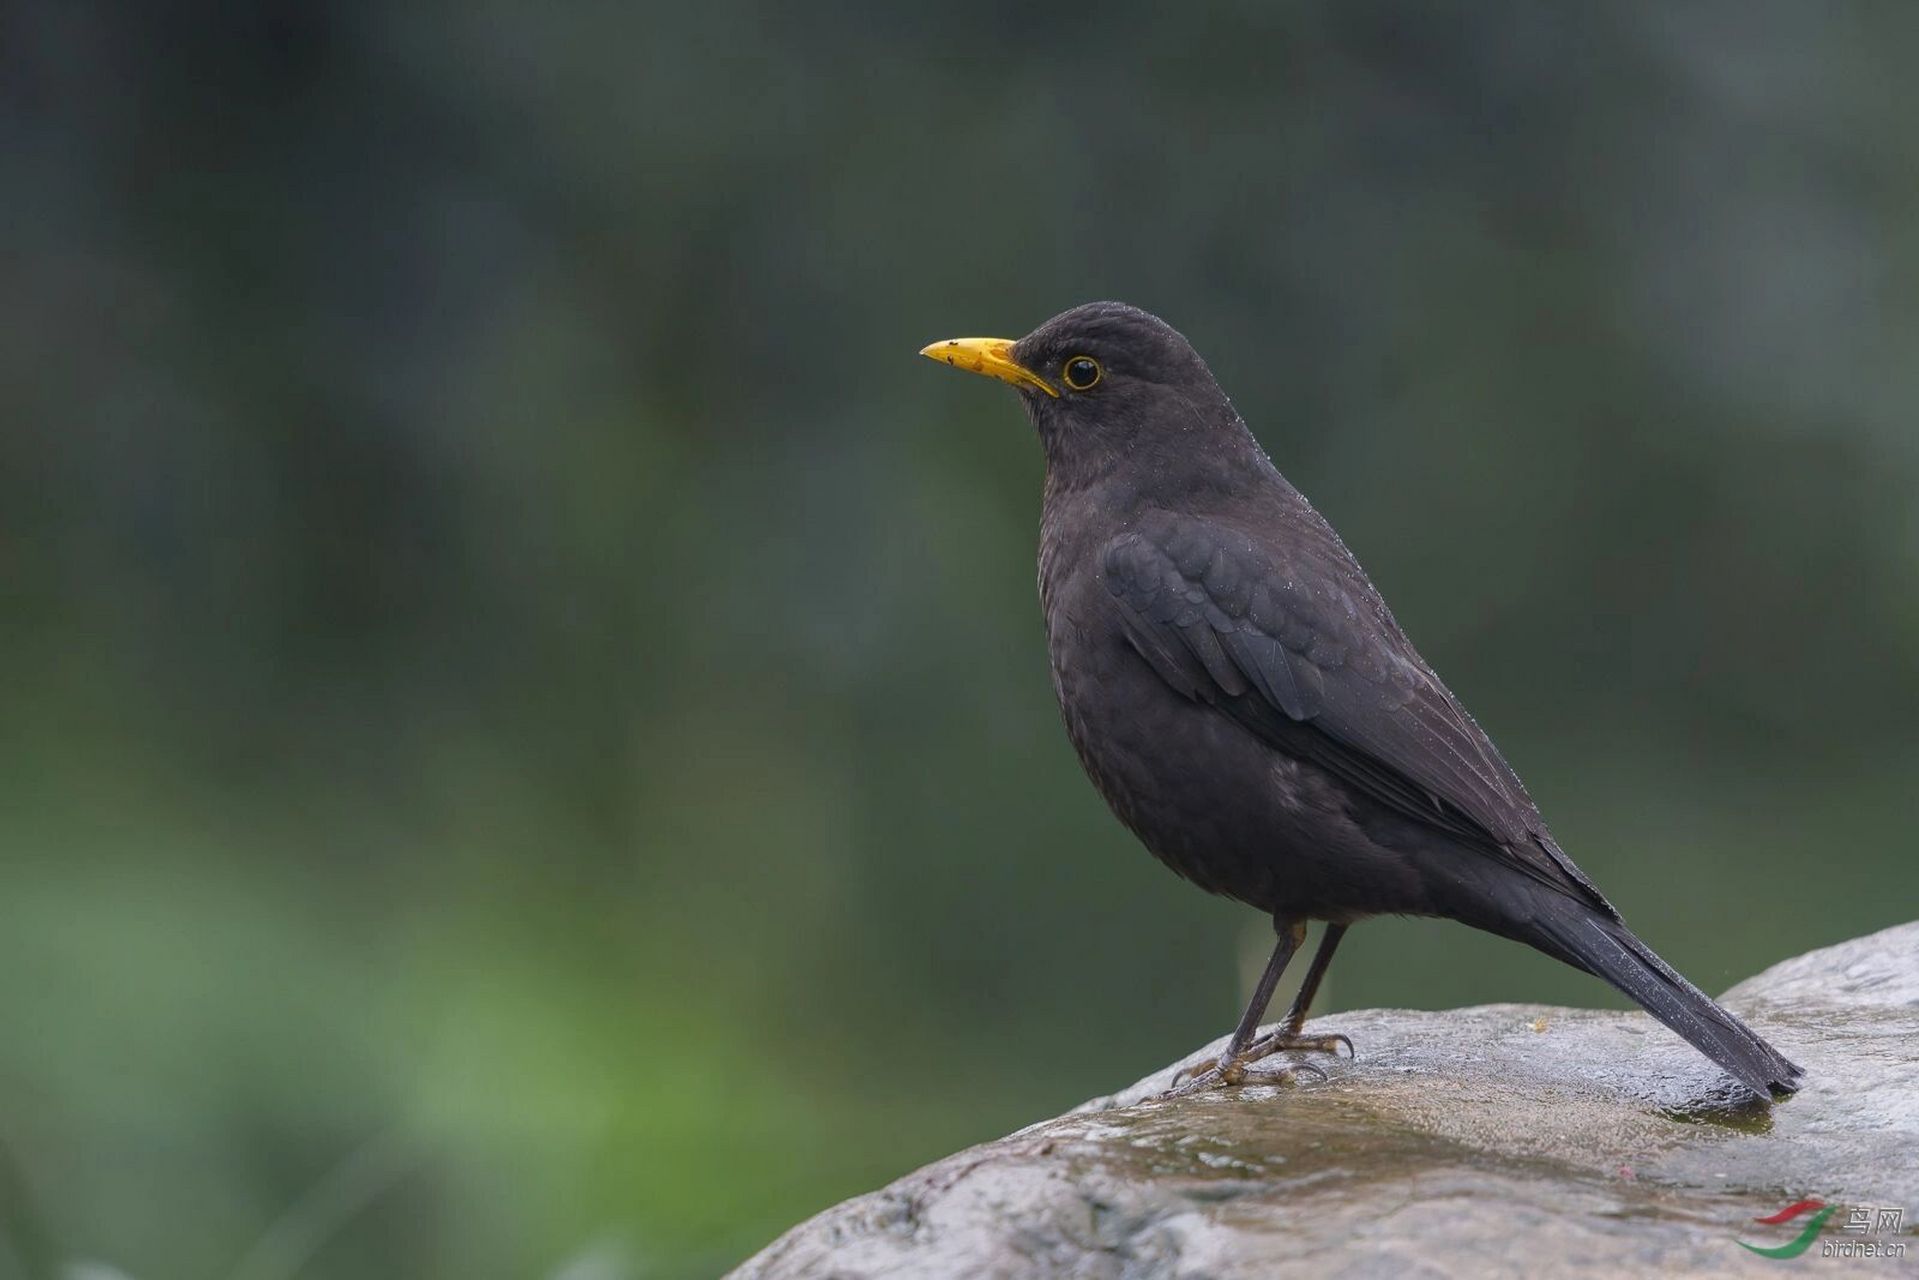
{"type": "Point", "coordinates": [1819, 1210]}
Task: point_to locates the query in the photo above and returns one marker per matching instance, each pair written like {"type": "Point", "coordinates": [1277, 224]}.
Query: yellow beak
{"type": "Point", "coordinates": [990, 356]}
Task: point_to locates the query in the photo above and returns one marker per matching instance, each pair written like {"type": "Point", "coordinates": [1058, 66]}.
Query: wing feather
{"type": "Point", "coordinates": [1299, 647]}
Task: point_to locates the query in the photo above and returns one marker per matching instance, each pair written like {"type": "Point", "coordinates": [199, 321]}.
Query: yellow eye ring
{"type": "Point", "coordinates": [1081, 373]}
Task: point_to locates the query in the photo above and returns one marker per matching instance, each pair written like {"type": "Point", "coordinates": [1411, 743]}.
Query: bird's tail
{"type": "Point", "coordinates": [1607, 949]}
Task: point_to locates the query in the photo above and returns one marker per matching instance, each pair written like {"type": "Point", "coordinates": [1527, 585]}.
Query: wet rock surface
{"type": "Point", "coordinates": [1498, 1140]}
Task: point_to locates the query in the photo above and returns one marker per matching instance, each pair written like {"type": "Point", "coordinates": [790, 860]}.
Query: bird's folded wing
{"type": "Point", "coordinates": [1298, 647]}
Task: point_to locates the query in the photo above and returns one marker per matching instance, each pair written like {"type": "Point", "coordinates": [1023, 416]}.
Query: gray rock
{"type": "Point", "coordinates": [1500, 1140]}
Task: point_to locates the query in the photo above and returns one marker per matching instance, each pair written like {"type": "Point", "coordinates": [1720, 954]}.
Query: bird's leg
{"type": "Point", "coordinates": [1230, 1068]}
{"type": "Point", "coordinates": [1288, 1037]}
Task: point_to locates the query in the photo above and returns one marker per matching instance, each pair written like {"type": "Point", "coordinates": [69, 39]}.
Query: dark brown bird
{"type": "Point", "coordinates": [1242, 697]}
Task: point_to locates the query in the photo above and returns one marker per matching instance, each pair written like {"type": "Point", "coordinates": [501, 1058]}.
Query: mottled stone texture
{"type": "Point", "coordinates": [1501, 1140]}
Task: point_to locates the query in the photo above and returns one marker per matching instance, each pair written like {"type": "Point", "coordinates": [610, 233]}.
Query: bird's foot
{"type": "Point", "coordinates": [1292, 1042]}
{"type": "Point", "coordinates": [1210, 1075]}
{"type": "Point", "coordinates": [1228, 1069]}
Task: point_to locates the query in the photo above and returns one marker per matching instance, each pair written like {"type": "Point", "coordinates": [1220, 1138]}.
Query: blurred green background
{"type": "Point", "coordinates": [527, 744]}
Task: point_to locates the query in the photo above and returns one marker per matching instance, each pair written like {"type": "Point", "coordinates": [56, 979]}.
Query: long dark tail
{"type": "Point", "coordinates": [1607, 949]}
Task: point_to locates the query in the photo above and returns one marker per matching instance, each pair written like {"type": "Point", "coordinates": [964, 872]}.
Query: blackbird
{"type": "Point", "coordinates": [1241, 696]}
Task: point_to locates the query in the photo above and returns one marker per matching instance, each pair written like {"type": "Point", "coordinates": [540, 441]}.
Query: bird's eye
{"type": "Point", "coordinates": [1081, 372]}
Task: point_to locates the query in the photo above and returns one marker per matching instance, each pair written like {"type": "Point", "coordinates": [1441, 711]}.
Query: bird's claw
{"type": "Point", "coordinates": [1281, 1042]}
{"type": "Point", "coordinates": [1205, 1073]}
{"type": "Point", "coordinates": [1195, 1069]}
{"type": "Point", "coordinates": [1236, 1073]}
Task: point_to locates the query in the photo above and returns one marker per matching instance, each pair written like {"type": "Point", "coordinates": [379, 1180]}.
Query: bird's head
{"type": "Point", "coordinates": [1104, 383]}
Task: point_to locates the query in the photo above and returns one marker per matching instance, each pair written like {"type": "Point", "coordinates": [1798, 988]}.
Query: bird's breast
{"type": "Point", "coordinates": [1176, 773]}
{"type": "Point", "coordinates": [1213, 802]}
